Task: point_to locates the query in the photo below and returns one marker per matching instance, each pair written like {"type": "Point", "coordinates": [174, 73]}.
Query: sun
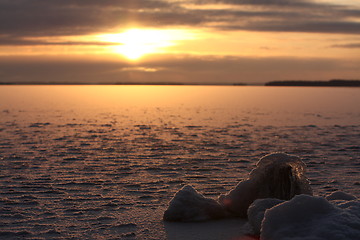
{"type": "Point", "coordinates": [135, 43]}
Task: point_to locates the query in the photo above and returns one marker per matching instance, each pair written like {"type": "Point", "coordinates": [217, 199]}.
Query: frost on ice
{"type": "Point", "coordinates": [189, 205]}
{"type": "Point", "coordinates": [257, 209]}
{"type": "Point", "coordinates": [276, 175]}
{"type": "Point", "coordinates": [307, 217]}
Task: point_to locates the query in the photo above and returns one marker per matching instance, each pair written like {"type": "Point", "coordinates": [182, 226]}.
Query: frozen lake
{"type": "Point", "coordinates": [103, 162]}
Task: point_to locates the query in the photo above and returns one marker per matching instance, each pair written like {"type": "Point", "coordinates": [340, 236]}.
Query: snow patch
{"type": "Point", "coordinates": [307, 217]}
{"type": "Point", "coordinates": [257, 210]}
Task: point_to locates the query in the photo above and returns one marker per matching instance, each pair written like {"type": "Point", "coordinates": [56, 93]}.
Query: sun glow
{"type": "Point", "coordinates": [135, 43]}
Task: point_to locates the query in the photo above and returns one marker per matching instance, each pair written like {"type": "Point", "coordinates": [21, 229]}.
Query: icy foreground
{"type": "Point", "coordinates": [276, 175]}
{"type": "Point", "coordinates": [306, 217]}
{"type": "Point", "coordinates": [277, 199]}
{"type": "Point", "coordinates": [189, 205]}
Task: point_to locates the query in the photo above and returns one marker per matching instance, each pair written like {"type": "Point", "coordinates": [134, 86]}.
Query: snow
{"type": "Point", "coordinates": [309, 217]}
{"type": "Point", "coordinates": [278, 202]}
{"type": "Point", "coordinates": [256, 212]}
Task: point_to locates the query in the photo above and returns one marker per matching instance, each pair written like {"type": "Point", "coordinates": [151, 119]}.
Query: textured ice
{"type": "Point", "coordinates": [98, 162]}
{"type": "Point", "coordinates": [276, 175]}
{"type": "Point", "coordinates": [189, 205]}
{"type": "Point", "coordinates": [257, 209]}
{"type": "Point", "coordinates": [311, 218]}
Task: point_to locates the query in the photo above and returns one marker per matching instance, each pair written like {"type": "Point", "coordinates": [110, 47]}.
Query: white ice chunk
{"type": "Point", "coordinates": [257, 210]}
{"type": "Point", "coordinates": [276, 175]}
{"type": "Point", "coordinates": [188, 205]}
{"type": "Point", "coordinates": [311, 218]}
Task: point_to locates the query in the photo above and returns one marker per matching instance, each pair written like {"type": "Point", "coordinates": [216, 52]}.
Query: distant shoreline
{"type": "Point", "coordinates": [286, 83]}
{"type": "Point", "coordinates": [330, 83]}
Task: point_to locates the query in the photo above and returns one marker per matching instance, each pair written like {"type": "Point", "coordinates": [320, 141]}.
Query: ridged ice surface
{"type": "Point", "coordinates": [75, 166]}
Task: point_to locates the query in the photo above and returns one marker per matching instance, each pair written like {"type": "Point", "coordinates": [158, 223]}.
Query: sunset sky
{"type": "Point", "coordinates": [187, 41]}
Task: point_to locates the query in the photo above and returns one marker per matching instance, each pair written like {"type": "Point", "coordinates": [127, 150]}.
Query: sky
{"type": "Point", "coordinates": [178, 41]}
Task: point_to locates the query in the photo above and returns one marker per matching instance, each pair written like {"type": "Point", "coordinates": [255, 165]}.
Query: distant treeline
{"type": "Point", "coordinates": [331, 83]}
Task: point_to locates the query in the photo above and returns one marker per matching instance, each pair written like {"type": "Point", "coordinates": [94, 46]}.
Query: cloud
{"type": "Point", "coordinates": [349, 45]}
{"type": "Point", "coordinates": [21, 19]}
{"type": "Point", "coordinates": [304, 26]}
{"type": "Point", "coordinates": [284, 16]}
{"type": "Point", "coordinates": [8, 41]}
{"type": "Point", "coordinates": [57, 17]}
{"type": "Point", "coordinates": [139, 69]}
{"type": "Point", "coordinates": [169, 68]}
{"type": "Point", "coordinates": [257, 2]}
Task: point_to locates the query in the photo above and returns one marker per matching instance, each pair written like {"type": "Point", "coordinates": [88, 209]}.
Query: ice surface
{"type": "Point", "coordinates": [189, 205]}
{"type": "Point", "coordinates": [87, 162]}
{"type": "Point", "coordinates": [257, 210]}
{"type": "Point", "coordinates": [311, 218]}
{"type": "Point", "coordinates": [223, 229]}
{"type": "Point", "coordinates": [276, 175]}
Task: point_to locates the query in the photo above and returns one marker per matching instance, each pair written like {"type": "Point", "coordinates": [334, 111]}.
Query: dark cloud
{"type": "Point", "coordinates": [57, 17]}
{"type": "Point", "coordinates": [303, 26]}
{"type": "Point", "coordinates": [285, 16]}
{"type": "Point", "coordinates": [349, 45]}
{"type": "Point", "coordinates": [20, 19]}
{"type": "Point", "coordinates": [185, 69]}
{"type": "Point", "coordinates": [54, 69]}
{"type": "Point", "coordinates": [8, 41]}
{"type": "Point", "coordinates": [257, 2]}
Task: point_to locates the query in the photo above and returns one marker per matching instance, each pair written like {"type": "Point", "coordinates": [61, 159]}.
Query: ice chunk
{"type": "Point", "coordinates": [189, 205]}
{"type": "Point", "coordinates": [276, 175]}
{"type": "Point", "coordinates": [339, 195]}
{"type": "Point", "coordinates": [307, 218]}
{"type": "Point", "coordinates": [257, 210]}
